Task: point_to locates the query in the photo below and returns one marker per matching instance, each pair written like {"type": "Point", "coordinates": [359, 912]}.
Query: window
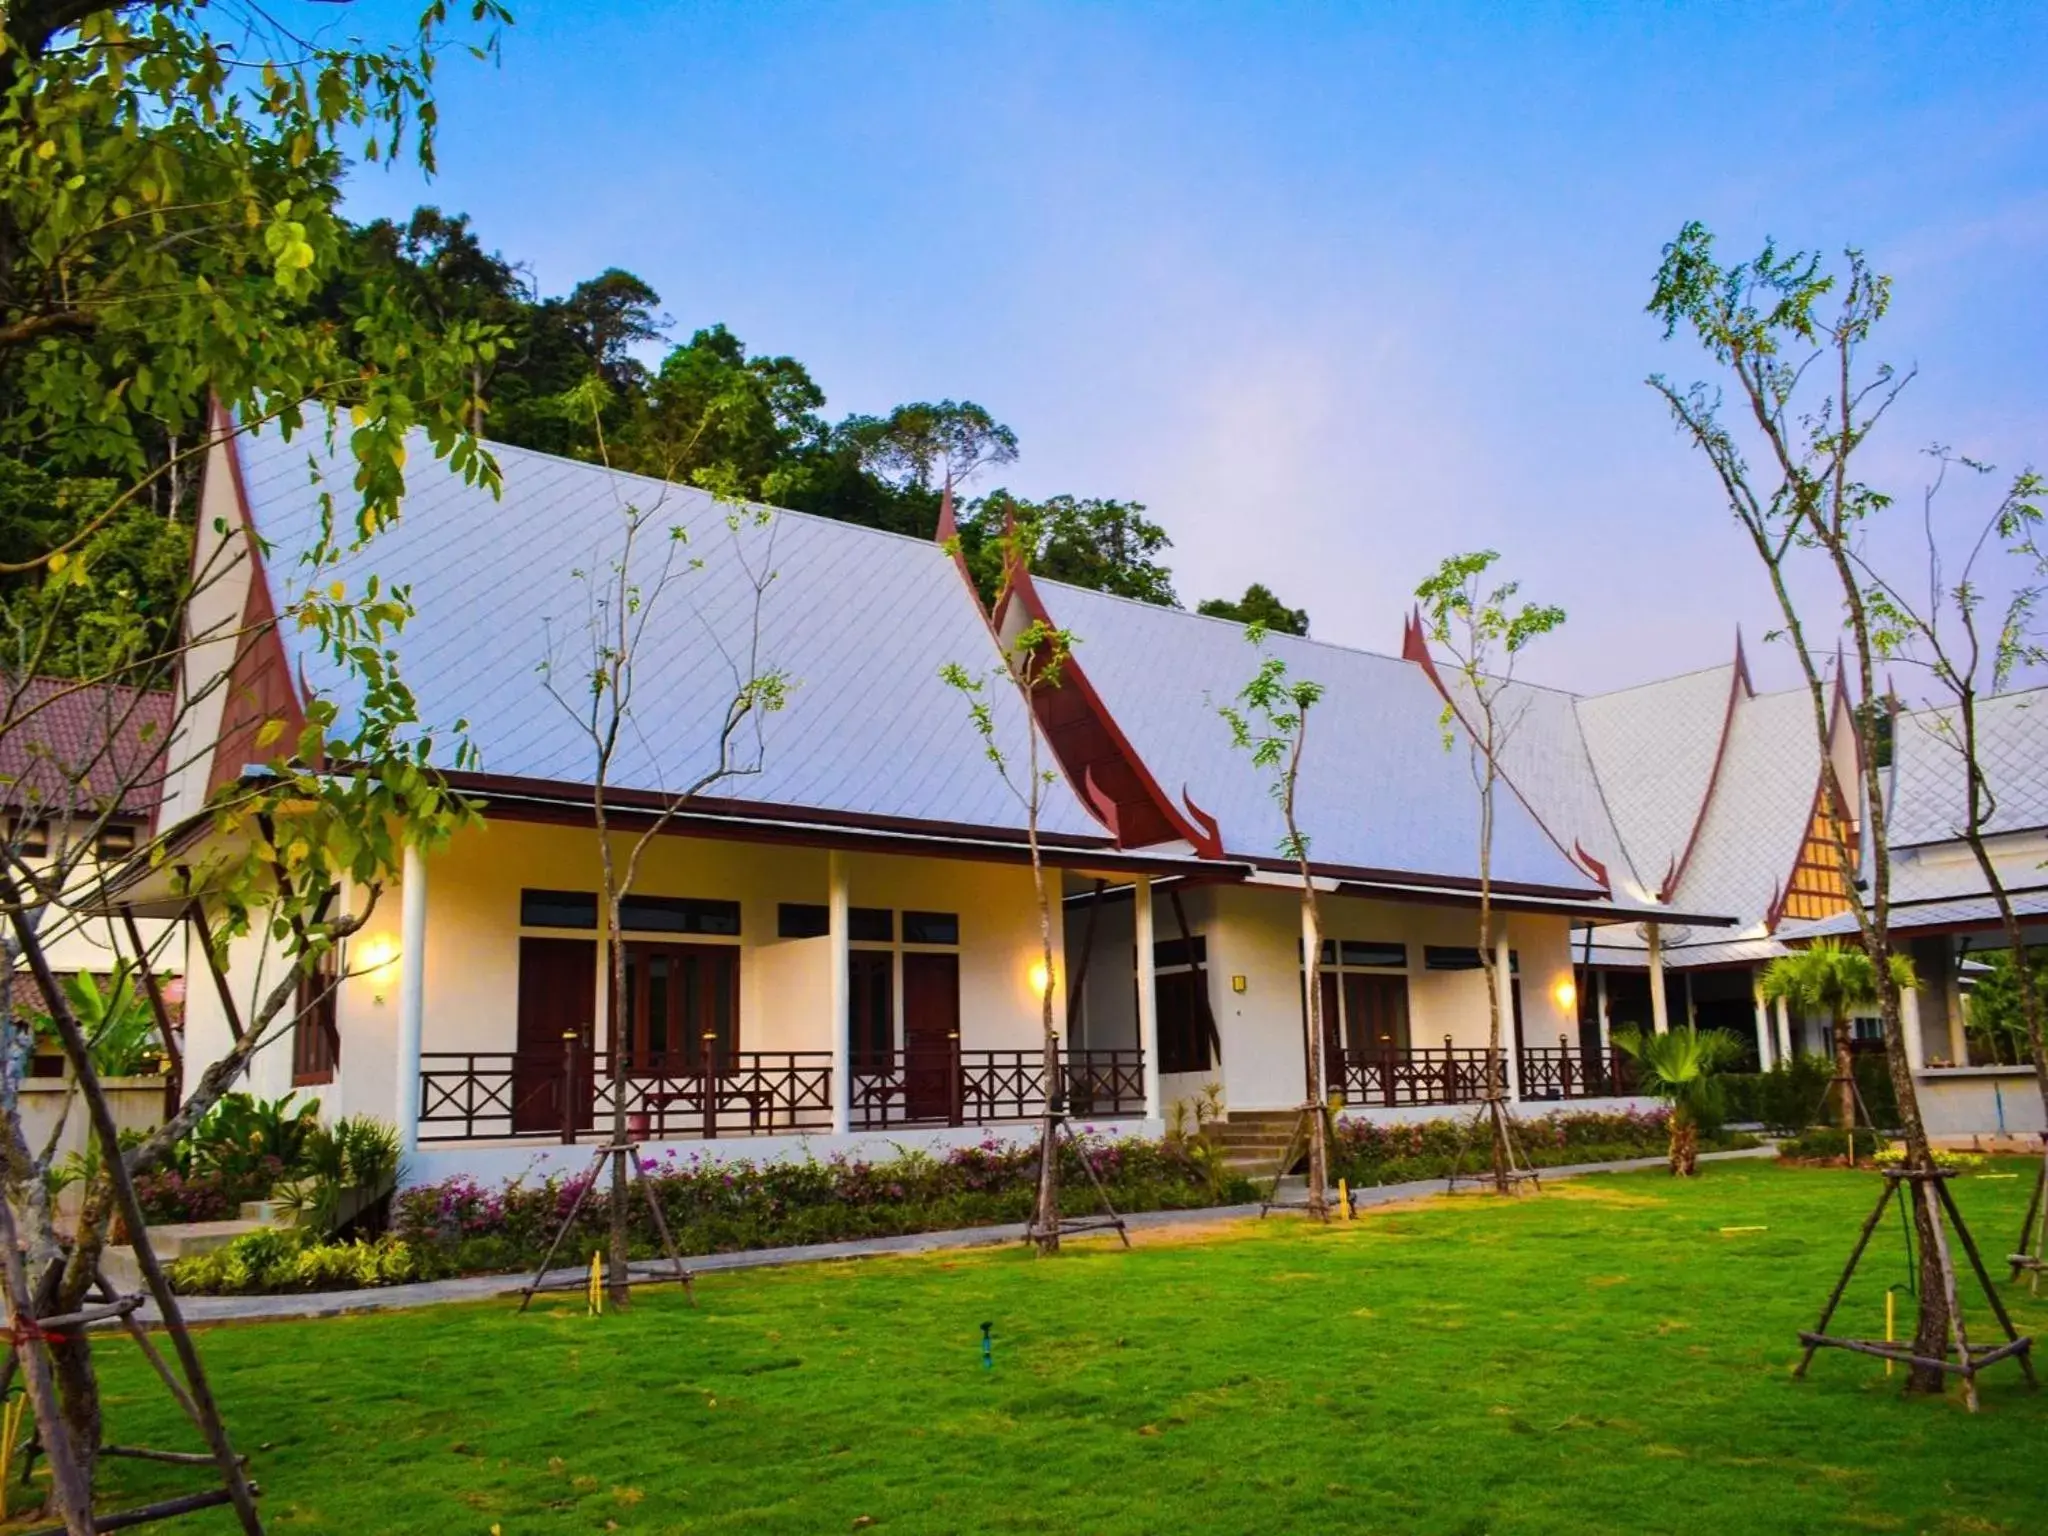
{"type": "Point", "coordinates": [316, 1036]}
{"type": "Point", "coordinates": [1458, 957]}
{"type": "Point", "coordinates": [116, 840]}
{"type": "Point", "coordinates": [679, 914]}
{"type": "Point", "coordinates": [1168, 953]}
{"type": "Point", "coordinates": [557, 909]}
{"type": "Point", "coordinates": [931, 928]}
{"type": "Point", "coordinates": [802, 920]}
{"type": "Point", "coordinates": [1391, 957]}
{"type": "Point", "coordinates": [813, 920]}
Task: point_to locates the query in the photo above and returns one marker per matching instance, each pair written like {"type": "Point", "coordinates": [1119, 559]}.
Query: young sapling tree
{"type": "Point", "coordinates": [1482, 632]}
{"type": "Point", "coordinates": [1269, 720]}
{"type": "Point", "coordinates": [1032, 661]}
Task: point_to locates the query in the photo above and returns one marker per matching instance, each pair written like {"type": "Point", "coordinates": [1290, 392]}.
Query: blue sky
{"type": "Point", "coordinates": [1334, 290]}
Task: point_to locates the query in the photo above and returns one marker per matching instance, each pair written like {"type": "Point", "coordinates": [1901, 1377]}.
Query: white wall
{"type": "Point", "coordinates": [1254, 931]}
{"type": "Point", "coordinates": [473, 932]}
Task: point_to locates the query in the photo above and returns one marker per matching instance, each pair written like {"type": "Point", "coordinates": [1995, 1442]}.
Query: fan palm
{"type": "Point", "coordinates": [1679, 1067]}
{"type": "Point", "coordinates": [1834, 979]}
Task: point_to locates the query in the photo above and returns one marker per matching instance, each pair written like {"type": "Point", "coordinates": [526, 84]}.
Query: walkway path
{"type": "Point", "coordinates": [223, 1309]}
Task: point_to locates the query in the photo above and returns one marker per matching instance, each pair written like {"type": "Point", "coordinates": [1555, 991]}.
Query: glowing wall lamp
{"type": "Point", "coordinates": [377, 958]}
{"type": "Point", "coordinates": [1567, 994]}
{"type": "Point", "coordinates": [1039, 977]}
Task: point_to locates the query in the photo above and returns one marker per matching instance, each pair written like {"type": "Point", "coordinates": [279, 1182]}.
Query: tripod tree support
{"type": "Point", "coordinates": [677, 1270]}
{"type": "Point", "coordinates": [1109, 1219]}
{"type": "Point", "coordinates": [1510, 1163]}
{"type": "Point", "coordinates": [1306, 1119]}
{"type": "Point", "coordinates": [2030, 1254]}
{"type": "Point", "coordinates": [1928, 1187]}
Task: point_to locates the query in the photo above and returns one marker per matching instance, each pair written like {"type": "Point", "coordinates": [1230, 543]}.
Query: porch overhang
{"type": "Point", "coordinates": [1584, 911]}
{"type": "Point", "coordinates": [745, 821]}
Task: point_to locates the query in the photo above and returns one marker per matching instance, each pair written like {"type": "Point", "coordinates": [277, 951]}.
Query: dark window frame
{"type": "Point", "coordinates": [916, 923]}
{"type": "Point", "coordinates": [316, 1029]}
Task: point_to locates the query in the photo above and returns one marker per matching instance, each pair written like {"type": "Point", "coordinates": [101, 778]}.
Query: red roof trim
{"type": "Point", "coordinates": [260, 677]}
{"type": "Point", "coordinates": [1194, 825]}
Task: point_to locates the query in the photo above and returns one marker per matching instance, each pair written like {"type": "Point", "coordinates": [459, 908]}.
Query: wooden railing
{"type": "Point", "coordinates": [1428, 1074]}
{"type": "Point", "coordinates": [951, 1086]}
{"type": "Point", "coordinates": [1565, 1071]}
{"type": "Point", "coordinates": [567, 1092]}
{"type": "Point", "coordinates": [477, 1095]}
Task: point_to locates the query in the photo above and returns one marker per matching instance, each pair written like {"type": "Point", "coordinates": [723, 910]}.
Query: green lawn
{"type": "Point", "coordinates": [1598, 1358]}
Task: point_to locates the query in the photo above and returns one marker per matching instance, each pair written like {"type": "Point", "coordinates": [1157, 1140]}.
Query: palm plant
{"type": "Point", "coordinates": [1679, 1067]}
{"type": "Point", "coordinates": [1834, 979]}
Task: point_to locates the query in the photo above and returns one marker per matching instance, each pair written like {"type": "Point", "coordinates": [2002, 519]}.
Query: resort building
{"type": "Point", "coordinates": [837, 942]}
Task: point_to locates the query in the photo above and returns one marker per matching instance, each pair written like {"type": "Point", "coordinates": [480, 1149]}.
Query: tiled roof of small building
{"type": "Point", "coordinates": [73, 749]}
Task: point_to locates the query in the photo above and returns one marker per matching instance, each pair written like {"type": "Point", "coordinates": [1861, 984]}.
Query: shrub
{"type": "Point", "coordinates": [278, 1261]}
{"type": "Point", "coordinates": [1822, 1143]}
{"type": "Point", "coordinates": [1785, 1100]}
{"type": "Point", "coordinates": [1366, 1153]}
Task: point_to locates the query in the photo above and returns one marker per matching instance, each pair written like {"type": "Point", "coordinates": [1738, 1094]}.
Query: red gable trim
{"type": "Point", "coordinates": [1415, 648]}
{"type": "Point", "coordinates": [259, 685]}
{"type": "Point", "coordinates": [1098, 757]}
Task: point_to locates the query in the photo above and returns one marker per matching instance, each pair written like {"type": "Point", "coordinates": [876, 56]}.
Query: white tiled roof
{"type": "Point", "coordinates": [1970, 911]}
{"type": "Point", "coordinates": [1654, 748]}
{"type": "Point", "coordinates": [859, 621]}
{"type": "Point", "coordinates": [1929, 801]}
{"type": "Point", "coordinates": [1378, 789]}
{"type": "Point", "coordinates": [1760, 810]}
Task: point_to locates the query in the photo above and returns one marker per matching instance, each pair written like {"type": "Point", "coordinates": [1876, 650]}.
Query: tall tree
{"type": "Point", "coordinates": [1941, 632]}
{"type": "Point", "coordinates": [1257, 606]}
{"type": "Point", "coordinates": [1789, 335]}
{"type": "Point", "coordinates": [1109, 546]}
{"type": "Point", "coordinates": [1482, 632]}
{"type": "Point", "coordinates": [167, 218]}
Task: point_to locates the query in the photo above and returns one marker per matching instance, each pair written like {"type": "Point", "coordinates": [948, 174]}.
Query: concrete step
{"type": "Point", "coordinates": [184, 1239]}
{"type": "Point", "coordinates": [270, 1213]}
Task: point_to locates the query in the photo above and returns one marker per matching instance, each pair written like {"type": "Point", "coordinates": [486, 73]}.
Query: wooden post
{"type": "Point", "coordinates": [837, 931]}
{"type": "Point", "coordinates": [570, 1040]}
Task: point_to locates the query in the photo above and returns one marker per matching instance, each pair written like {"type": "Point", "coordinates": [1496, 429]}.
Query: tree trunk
{"type": "Point", "coordinates": [1048, 1215]}
{"type": "Point", "coordinates": [1685, 1146]}
{"type": "Point", "coordinates": [1845, 1088]}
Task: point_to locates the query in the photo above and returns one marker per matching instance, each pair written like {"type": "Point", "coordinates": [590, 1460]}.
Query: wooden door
{"type": "Point", "coordinates": [682, 1007]}
{"type": "Point", "coordinates": [871, 1009]}
{"type": "Point", "coordinates": [1376, 1012]}
{"type": "Point", "coordinates": [557, 987]}
{"type": "Point", "coordinates": [931, 1037]}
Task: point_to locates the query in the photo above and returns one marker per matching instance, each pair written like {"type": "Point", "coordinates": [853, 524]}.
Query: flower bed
{"type": "Point", "coordinates": [460, 1226]}
{"type": "Point", "coordinates": [1367, 1153]}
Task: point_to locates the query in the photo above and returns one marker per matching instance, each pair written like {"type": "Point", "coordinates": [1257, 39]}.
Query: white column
{"type": "Point", "coordinates": [1606, 1028]}
{"type": "Point", "coordinates": [1504, 984]}
{"type": "Point", "coordinates": [1766, 1055]}
{"type": "Point", "coordinates": [1312, 1004]}
{"type": "Point", "coordinates": [412, 993]}
{"type": "Point", "coordinates": [1789, 1046]}
{"type": "Point", "coordinates": [1909, 1022]}
{"type": "Point", "coordinates": [1692, 1013]}
{"type": "Point", "coordinates": [1148, 994]}
{"type": "Point", "coordinates": [1660, 1012]}
{"type": "Point", "coordinates": [836, 926]}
